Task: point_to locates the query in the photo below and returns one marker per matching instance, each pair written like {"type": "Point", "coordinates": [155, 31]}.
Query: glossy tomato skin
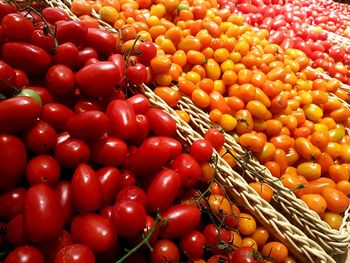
{"type": "Point", "coordinates": [18, 113]}
{"type": "Point", "coordinates": [148, 51]}
{"type": "Point", "coordinates": [122, 119]}
{"type": "Point", "coordinates": [8, 73]}
{"type": "Point", "coordinates": [42, 40]}
{"type": "Point", "coordinates": [85, 54]}
{"type": "Point", "coordinates": [142, 127]}
{"type": "Point", "coordinates": [94, 231]}
{"type": "Point", "coordinates": [57, 115]}
{"type": "Point", "coordinates": [188, 168]}
{"type": "Point", "coordinates": [66, 54]}
{"type": "Point", "coordinates": [193, 244]}
{"type": "Point", "coordinates": [29, 58]}
{"type": "Point", "coordinates": [60, 80]}
{"type": "Point", "coordinates": [16, 27]}
{"type": "Point", "coordinates": [201, 150]}
{"type": "Point", "coordinates": [40, 138]}
{"type": "Point", "coordinates": [71, 31]}
{"type": "Point", "coordinates": [71, 152]}
{"type": "Point", "coordinates": [98, 79]}
{"type": "Point", "coordinates": [102, 41]}
{"type": "Point", "coordinates": [215, 137]}
{"type": "Point", "coordinates": [43, 169]}
{"type": "Point", "coordinates": [129, 218]}
{"type": "Point", "coordinates": [149, 157]}
{"type": "Point", "coordinates": [11, 203]}
{"type": "Point", "coordinates": [119, 61]}
{"type": "Point", "coordinates": [75, 253]}
{"type": "Point", "coordinates": [42, 214]}
{"type": "Point", "coordinates": [110, 179]}
{"type": "Point", "coordinates": [175, 147]}
{"type": "Point", "coordinates": [53, 15]}
{"type": "Point", "coordinates": [167, 184]}
{"type": "Point", "coordinates": [181, 219]}
{"type": "Point", "coordinates": [214, 236]}
{"type": "Point", "coordinates": [165, 249]}
{"type": "Point", "coordinates": [16, 235]}
{"type": "Point", "coordinates": [25, 254]}
{"type": "Point", "coordinates": [13, 159]}
{"type": "Point", "coordinates": [109, 151]}
{"type": "Point", "coordinates": [88, 125]}
{"type": "Point", "coordinates": [86, 189]}
{"type": "Point", "coordinates": [136, 74]}
{"type": "Point", "coordinates": [139, 103]}
{"type": "Point", "coordinates": [161, 123]}
{"type": "Point", "coordinates": [64, 195]}
{"type": "Point", "coordinates": [132, 193]}
{"type": "Point", "coordinates": [45, 95]}
{"type": "Point", "coordinates": [246, 254]}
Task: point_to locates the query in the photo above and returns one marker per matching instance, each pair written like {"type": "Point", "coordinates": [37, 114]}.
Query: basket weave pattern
{"type": "Point", "coordinates": [305, 249]}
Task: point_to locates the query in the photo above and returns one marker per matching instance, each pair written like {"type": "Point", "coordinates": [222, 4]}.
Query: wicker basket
{"type": "Point", "coordinates": [304, 248]}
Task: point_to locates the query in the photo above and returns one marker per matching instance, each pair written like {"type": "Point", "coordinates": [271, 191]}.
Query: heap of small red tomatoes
{"type": "Point", "coordinates": [89, 174]}
{"type": "Point", "coordinates": [263, 95]}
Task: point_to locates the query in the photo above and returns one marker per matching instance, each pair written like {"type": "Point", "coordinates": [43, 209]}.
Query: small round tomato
{"type": "Point", "coordinates": [165, 250]}
{"type": "Point", "coordinates": [75, 253]}
{"type": "Point", "coordinates": [43, 169]}
{"type": "Point", "coordinates": [275, 250]}
{"type": "Point", "coordinates": [188, 168]}
{"type": "Point", "coordinates": [201, 150]}
{"type": "Point", "coordinates": [192, 244]}
{"type": "Point", "coordinates": [215, 137]}
{"type": "Point", "coordinates": [25, 254]}
{"type": "Point", "coordinates": [246, 254]}
{"type": "Point", "coordinates": [137, 74]}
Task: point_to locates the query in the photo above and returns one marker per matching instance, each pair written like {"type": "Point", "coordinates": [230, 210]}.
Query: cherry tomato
{"type": "Point", "coordinates": [13, 159]}
{"type": "Point", "coordinates": [215, 137]}
{"type": "Point", "coordinates": [9, 74]}
{"type": "Point", "coordinates": [86, 189]}
{"type": "Point", "coordinates": [66, 54]}
{"type": "Point", "coordinates": [215, 236]}
{"type": "Point", "coordinates": [122, 119]}
{"type": "Point", "coordinates": [166, 183]}
{"type": "Point", "coordinates": [137, 74]}
{"type": "Point", "coordinates": [71, 31]}
{"type": "Point", "coordinates": [188, 169]}
{"type": "Point", "coordinates": [148, 51]}
{"type": "Point", "coordinates": [201, 150]}
{"type": "Point", "coordinates": [110, 179]}
{"type": "Point", "coordinates": [53, 15]}
{"type": "Point", "coordinates": [29, 58]}
{"type": "Point", "coordinates": [179, 220]}
{"type": "Point", "coordinates": [71, 152]}
{"type": "Point", "coordinates": [98, 79]}
{"type": "Point", "coordinates": [57, 115]}
{"type": "Point", "coordinates": [119, 61]}
{"type": "Point", "coordinates": [161, 123]}
{"type": "Point", "coordinates": [64, 195]}
{"type": "Point", "coordinates": [129, 218]}
{"type": "Point", "coordinates": [192, 244]}
{"type": "Point", "coordinates": [132, 193]}
{"type": "Point", "coordinates": [246, 254]}
{"type": "Point", "coordinates": [139, 103]}
{"type": "Point", "coordinates": [75, 253]}
{"type": "Point", "coordinates": [337, 201]}
{"type": "Point", "coordinates": [43, 169]}
{"type": "Point", "coordinates": [11, 203]}
{"type": "Point", "coordinates": [18, 113]}
{"type": "Point", "coordinates": [17, 27]}
{"type": "Point", "coordinates": [102, 41]}
{"type": "Point", "coordinates": [275, 250]}
{"type": "Point", "coordinates": [60, 80]}
{"type": "Point", "coordinates": [42, 214]}
{"type": "Point", "coordinates": [25, 254]}
{"type": "Point", "coordinates": [108, 151]}
{"type": "Point", "coordinates": [165, 250]}
{"type": "Point", "coordinates": [94, 231]}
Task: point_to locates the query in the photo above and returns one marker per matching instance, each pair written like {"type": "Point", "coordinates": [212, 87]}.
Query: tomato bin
{"type": "Point", "coordinates": [174, 131]}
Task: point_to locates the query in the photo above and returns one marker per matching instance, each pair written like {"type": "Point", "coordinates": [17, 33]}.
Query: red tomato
{"type": "Point", "coordinates": [201, 150]}
{"type": "Point", "coordinates": [167, 184]}
{"type": "Point", "coordinates": [119, 61]}
{"type": "Point", "coordinates": [85, 54]}
{"type": "Point", "coordinates": [175, 147]}
{"type": "Point", "coordinates": [188, 168]}
{"type": "Point", "coordinates": [110, 179]}
{"type": "Point", "coordinates": [215, 236]}
{"type": "Point", "coordinates": [192, 244]}
{"type": "Point", "coordinates": [43, 169]}
{"type": "Point", "coordinates": [9, 74]}
{"type": "Point", "coordinates": [142, 127]}
{"type": "Point", "coordinates": [18, 113]}
{"type": "Point", "coordinates": [29, 58]}
{"type": "Point", "coordinates": [215, 137]}
{"type": "Point", "coordinates": [73, 31]}
{"type": "Point", "coordinates": [57, 115]}
{"type": "Point", "coordinates": [13, 159]}
{"type": "Point", "coordinates": [64, 195]}
{"type": "Point", "coordinates": [148, 51]}
{"type": "Point", "coordinates": [42, 214]}
{"type": "Point", "coordinates": [66, 54]}
{"type": "Point", "coordinates": [161, 123]}
{"type": "Point", "coordinates": [152, 155]}
{"type": "Point", "coordinates": [16, 235]}
{"type": "Point", "coordinates": [11, 203]}
{"type": "Point", "coordinates": [25, 254]}
{"type": "Point", "coordinates": [165, 250]}
{"type": "Point", "coordinates": [122, 119]}
{"type": "Point", "coordinates": [102, 41]}
{"type": "Point", "coordinates": [180, 219]}
{"type": "Point", "coordinates": [109, 151]}
{"type": "Point", "coordinates": [94, 231]}
{"type": "Point", "coordinates": [139, 103]}
{"type": "Point", "coordinates": [98, 79]}
{"type": "Point", "coordinates": [88, 125]}
{"type": "Point", "coordinates": [246, 254]}
{"type": "Point", "coordinates": [137, 74]}
{"type": "Point", "coordinates": [17, 27]}
{"type": "Point", "coordinates": [132, 193]}
{"type": "Point", "coordinates": [129, 218]}
{"type": "Point", "coordinates": [60, 80]}
{"type": "Point", "coordinates": [53, 15]}
{"type": "Point", "coordinates": [75, 253]}
{"type": "Point", "coordinates": [71, 152]}
{"type": "Point", "coordinates": [86, 189]}
{"type": "Point", "coordinates": [41, 39]}
{"type": "Point", "coordinates": [44, 94]}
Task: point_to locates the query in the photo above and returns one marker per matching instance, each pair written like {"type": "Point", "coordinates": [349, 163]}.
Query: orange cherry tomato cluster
{"type": "Point", "coordinates": [265, 97]}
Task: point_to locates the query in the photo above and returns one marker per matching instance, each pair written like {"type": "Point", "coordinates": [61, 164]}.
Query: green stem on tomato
{"type": "Point", "coordinates": [132, 48]}
{"type": "Point", "coordinates": [144, 241]}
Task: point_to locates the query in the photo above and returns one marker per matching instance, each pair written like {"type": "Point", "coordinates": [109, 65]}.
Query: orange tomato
{"type": "Point", "coordinates": [283, 142]}
{"type": "Point", "coordinates": [306, 149]}
{"type": "Point", "coordinates": [169, 95]}
{"type": "Point", "coordinates": [246, 224]}
{"type": "Point", "coordinates": [263, 189]}
{"type": "Point", "coordinates": [227, 122]}
{"type": "Point", "coordinates": [217, 101]}
{"type": "Point", "coordinates": [280, 157]}
{"type": "Point", "coordinates": [320, 139]}
{"type": "Point", "coordinates": [316, 186]}
{"type": "Point", "coordinates": [195, 57]}
{"type": "Point", "coordinates": [183, 115]}
{"type": "Point", "coordinates": [260, 235]}
{"type": "Point", "coordinates": [277, 251]}
{"type": "Point", "coordinates": [81, 7]}
{"type": "Point", "coordinates": [200, 98]}
{"type": "Point", "coordinates": [267, 153]}
{"type": "Point", "coordinates": [274, 168]}
{"type": "Point", "coordinates": [343, 186]}
{"type": "Point", "coordinates": [338, 173]}
{"type": "Point", "coordinates": [244, 121]}
{"type": "Point", "coordinates": [337, 201]}
{"type": "Point", "coordinates": [334, 220]}
{"type": "Point", "coordinates": [309, 170]}
{"type": "Point", "coordinates": [315, 202]}
{"type": "Point", "coordinates": [248, 241]}
{"type": "Point", "coordinates": [257, 109]}
{"type": "Point", "coordinates": [160, 63]}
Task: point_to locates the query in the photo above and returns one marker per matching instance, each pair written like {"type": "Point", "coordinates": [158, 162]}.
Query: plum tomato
{"type": "Point", "coordinates": [75, 253]}
{"type": "Point", "coordinates": [25, 254]}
